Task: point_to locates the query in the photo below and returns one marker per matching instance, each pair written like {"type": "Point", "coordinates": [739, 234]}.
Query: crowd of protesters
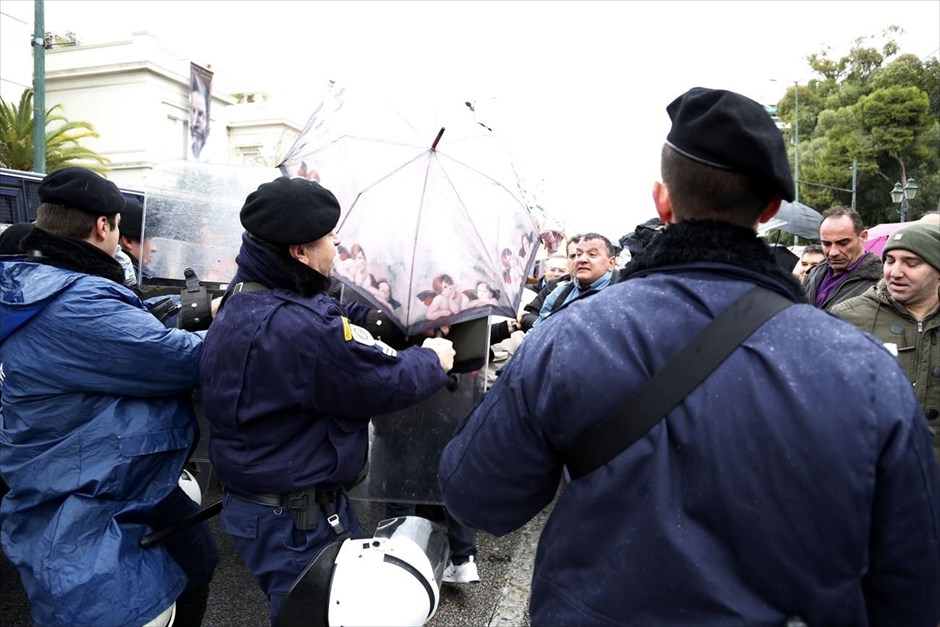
{"type": "Point", "coordinates": [786, 476]}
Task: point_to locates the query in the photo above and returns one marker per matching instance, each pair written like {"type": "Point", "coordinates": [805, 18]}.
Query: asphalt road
{"type": "Point", "coordinates": [500, 599]}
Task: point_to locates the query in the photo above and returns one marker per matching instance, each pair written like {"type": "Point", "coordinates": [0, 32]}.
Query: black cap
{"type": "Point", "coordinates": [132, 217]}
{"type": "Point", "coordinates": [726, 130]}
{"type": "Point", "coordinates": [11, 237]}
{"type": "Point", "coordinates": [80, 188]}
{"type": "Point", "coordinates": [290, 211]}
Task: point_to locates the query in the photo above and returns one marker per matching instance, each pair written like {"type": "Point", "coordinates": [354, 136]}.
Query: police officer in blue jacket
{"type": "Point", "coordinates": [796, 480]}
{"type": "Point", "coordinates": [97, 423]}
{"type": "Point", "coordinates": [290, 378]}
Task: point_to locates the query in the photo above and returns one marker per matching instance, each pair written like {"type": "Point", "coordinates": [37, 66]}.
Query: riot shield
{"type": "Point", "coordinates": [405, 446]}
{"type": "Point", "coordinates": [191, 219]}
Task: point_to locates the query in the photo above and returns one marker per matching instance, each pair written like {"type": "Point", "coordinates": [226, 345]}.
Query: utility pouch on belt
{"type": "Point", "coordinates": [304, 509]}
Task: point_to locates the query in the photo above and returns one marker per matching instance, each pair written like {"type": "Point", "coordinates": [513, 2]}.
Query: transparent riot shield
{"type": "Point", "coordinates": [405, 446]}
{"type": "Point", "coordinates": [191, 219]}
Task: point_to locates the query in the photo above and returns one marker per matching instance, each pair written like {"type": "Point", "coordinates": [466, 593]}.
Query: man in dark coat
{"type": "Point", "coordinates": [848, 270]}
{"type": "Point", "coordinates": [290, 378]}
{"type": "Point", "coordinates": [778, 487]}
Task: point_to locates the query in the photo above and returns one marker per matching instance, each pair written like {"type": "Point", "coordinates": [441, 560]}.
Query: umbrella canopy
{"type": "Point", "coordinates": [796, 218]}
{"type": "Point", "coordinates": [434, 228]}
{"type": "Point", "coordinates": [878, 236]}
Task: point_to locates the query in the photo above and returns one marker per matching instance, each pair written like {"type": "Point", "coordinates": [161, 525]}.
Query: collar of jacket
{"type": "Point", "coordinates": [70, 253]}
{"type": "Point", "coordinates": [716, 244]}
{"type": "Point", "coordinates": [883, 297]}
{"type": "Point", "coordinates": [259, 262]}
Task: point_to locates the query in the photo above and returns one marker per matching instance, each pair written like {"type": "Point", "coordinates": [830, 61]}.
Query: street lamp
{"type": "Point", "coordinates": [901, 195]}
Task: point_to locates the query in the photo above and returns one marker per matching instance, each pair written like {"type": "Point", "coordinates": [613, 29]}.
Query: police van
{"type": "Point", "coordinates": [19, 196]}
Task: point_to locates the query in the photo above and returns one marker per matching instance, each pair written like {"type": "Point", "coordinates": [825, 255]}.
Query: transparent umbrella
{"type": "Point", "coordinates": [433, 225]}
{"type": "Point", "coordinates": [796, 218]}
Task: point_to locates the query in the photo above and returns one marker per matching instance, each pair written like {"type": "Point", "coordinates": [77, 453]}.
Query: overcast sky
{"type": "Point", "coordinates": [579, 89]}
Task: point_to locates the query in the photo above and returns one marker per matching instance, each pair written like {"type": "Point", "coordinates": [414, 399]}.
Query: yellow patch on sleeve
{"type": "Point", "coordinates": [347, 332]}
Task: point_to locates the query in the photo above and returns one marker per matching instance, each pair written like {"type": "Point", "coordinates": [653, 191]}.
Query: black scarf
{"type": "Point", "coordinates": [713, 242]}
{"type": "Point", "coordinates": [274, 268]}
{"type": "Point", "coordinates": [71, 253]}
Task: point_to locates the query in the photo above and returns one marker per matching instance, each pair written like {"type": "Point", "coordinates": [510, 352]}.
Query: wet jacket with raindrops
{"type": "Point", "coordinates": [96, 425]}
{"type": "Point", "coordinates": [780, 486]}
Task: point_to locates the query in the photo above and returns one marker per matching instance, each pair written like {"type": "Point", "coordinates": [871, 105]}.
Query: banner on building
{"type": "Point", "coordinates": [200, 98]}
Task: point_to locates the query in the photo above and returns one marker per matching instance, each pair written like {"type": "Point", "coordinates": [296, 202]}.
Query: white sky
{"type": "Point", "coordinates": [579, 89]}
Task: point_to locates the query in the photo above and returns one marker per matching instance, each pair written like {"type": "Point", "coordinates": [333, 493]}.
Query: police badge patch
{"type": "Point", "coordinates": [362, 336]}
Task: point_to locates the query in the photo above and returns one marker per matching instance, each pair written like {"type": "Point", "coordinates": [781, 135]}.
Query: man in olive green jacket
{"type": "Point", "coordinates": [903, 311]}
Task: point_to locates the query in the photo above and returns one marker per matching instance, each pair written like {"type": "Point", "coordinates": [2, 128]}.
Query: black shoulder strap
{"type": "Point", "coordinates": [674, 382]}
{"type": "Point", "coordinates": [244, 286]}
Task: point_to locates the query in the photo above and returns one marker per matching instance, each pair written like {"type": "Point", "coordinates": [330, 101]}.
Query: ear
{"type": "Point", "coordinates": [864, 235]}
{"type": "Point", "coordinates": [298, 252]}
{"type": "Point", "coordinates": [663, 202]}
{"type": "Point", "coordinates": [101, 229]}
{"type": "Point", "coordinates": [770, 210]}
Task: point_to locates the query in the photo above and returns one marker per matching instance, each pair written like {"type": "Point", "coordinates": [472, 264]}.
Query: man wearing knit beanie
{"type": "Point", "coordinates": [903, 311]}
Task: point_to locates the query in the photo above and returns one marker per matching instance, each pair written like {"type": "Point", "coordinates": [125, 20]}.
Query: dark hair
{"type": "Point", "coordinates": [611, 251]}
{"type": "Point", "coordinates": [701, 192]}
{"type": "Point", "coordinates": [64, 221]}
{"type": "Point", "coordinates": [813, 248]}
{"type": "Point", "coordinates": [837, 212]}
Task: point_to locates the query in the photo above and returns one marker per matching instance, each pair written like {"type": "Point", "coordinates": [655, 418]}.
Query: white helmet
{"type": "Point", "coordinates": [191, 486]}
{"type": "Point", "coordinates": [164, 619]}
{"type": "Point", "coordinates": [390, 579]}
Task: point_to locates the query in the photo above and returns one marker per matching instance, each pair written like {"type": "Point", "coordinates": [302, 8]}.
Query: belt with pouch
{"type": "Point", "coordinates": [303, 505]}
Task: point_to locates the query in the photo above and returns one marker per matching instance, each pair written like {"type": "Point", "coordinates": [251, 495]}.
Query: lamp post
{"type": "Point", "coordinates": [796, 146]}
{"type": "Point", "coordinates": [901, 195]}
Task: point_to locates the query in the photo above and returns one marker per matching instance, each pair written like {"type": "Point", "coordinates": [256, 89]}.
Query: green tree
{"type": "Point", "coordinates": [878, 108]}
{"type": "Point", "coordinates": [63, 138]}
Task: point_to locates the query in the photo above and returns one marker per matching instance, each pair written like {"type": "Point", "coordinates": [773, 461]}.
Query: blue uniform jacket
{"type": "Point", "coordinates": [289, 384]}
{"type": "Point", "coordinates": [97, 423]}
{"type": "Point", "coordinates": [783, 485]}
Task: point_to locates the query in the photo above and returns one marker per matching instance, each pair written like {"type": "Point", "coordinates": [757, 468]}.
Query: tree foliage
{"type": "Point", "coordinates": [63, 137]}
{"type": "Point", "coordinates": [878, 108]}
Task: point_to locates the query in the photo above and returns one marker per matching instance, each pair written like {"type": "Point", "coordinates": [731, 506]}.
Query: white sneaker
{"type": "Point", "coordinates": [462, 573]}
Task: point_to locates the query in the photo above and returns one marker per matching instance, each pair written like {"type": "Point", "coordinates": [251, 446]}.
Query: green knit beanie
{"type": "Point", "coordinates": [921, 239]}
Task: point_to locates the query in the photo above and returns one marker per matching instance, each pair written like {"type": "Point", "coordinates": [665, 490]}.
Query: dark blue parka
{"type": "Point", "coordinates": [290, 382]}
{"type": "Point", "coordinates": [797, 479]}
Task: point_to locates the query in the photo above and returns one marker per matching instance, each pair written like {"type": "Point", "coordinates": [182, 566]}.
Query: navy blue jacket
{"type": "Point", "coordinates": [289, 383]}
{"type": "Point", "coordinates": [797, 479]}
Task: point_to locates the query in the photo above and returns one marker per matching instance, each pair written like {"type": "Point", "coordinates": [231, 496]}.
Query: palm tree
{"type": "Point", "coordinates": [62, 138]}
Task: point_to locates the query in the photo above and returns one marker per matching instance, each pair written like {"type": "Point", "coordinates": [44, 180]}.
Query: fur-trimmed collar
{"type": "Point", "coordinates": [70, 253]}
{"type": "Point", "coordinates": [713, 242]}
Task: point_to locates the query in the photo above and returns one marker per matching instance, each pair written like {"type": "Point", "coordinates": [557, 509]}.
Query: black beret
{"type": "Point", "coordinates": [726, 130]}
{"type": "Point", "coordinates": [80, 188]}
{"type": "Point", "coordinates": [290, 211]}
{"type": "Point", "coordinates": [132, 217]}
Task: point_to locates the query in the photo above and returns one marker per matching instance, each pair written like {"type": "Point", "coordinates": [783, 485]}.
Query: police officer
{"type": "Point", "coordinates": [97, 424]}
{"type": "Point", "coordinates": [290, 378]}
